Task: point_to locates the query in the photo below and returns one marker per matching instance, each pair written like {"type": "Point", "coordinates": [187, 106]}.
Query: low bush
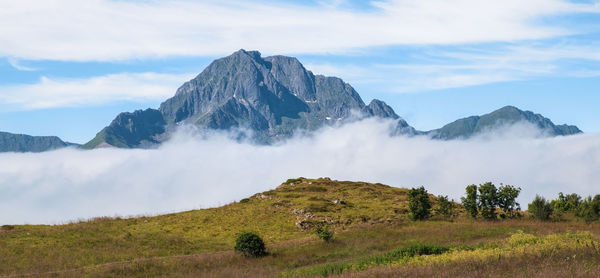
{"type": "Point", "coordinates": [250, 244]}
{"type": "Point", "coordinates": [324, 233]}
{"type": "Point", "coordinates": [294, 180]}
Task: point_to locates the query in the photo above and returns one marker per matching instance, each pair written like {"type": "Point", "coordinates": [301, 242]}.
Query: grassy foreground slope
{"type": "Point", "coordinates": [373, 237]}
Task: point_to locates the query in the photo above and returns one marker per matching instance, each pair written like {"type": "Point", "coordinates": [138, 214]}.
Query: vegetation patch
{"type": "Point", "coordinates": [300, 179]}
{"type": "Point", "coordinates": [400, 254]}
{"type": "Point", "coordinates": [518, 245]}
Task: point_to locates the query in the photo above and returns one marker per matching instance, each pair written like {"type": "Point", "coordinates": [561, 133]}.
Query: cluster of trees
{"type": "Point", "coordinates": [485, 199]}
{"type": "Point", "coordinates": [490, 202]}
{"type": "Point", "coordinates": [481, 200]}
{"type": "Point", "coordinates": [587, 209]}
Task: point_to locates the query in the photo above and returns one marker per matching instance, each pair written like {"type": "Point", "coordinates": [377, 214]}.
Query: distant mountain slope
{"type": "Point", "coordinates": [10, 142]}
{"type": "Point", "coordinates": [272, 96]}
{"type": "Point", "coordinates": [467, 127]}
{"type": "Point", "coordinates": [138, 129]}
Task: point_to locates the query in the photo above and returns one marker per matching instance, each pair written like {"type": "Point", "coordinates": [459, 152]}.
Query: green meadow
{"type": "Point", "coordinates": [373, 237]}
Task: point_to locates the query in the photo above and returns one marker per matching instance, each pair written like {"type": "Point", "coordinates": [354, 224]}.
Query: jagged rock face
{"type": "Point", "coordinates": [272, 96]}
{"type": "Point", "coordinates": [238, 83]}
{"type": "Point", "coordinates": [467, 127]}
{"type": "Point", "coordinates": [10, 142]}
{"type": "Point", "coordinates": [290, 73]}
{"type": "Point", "coordinates": [378, 108]}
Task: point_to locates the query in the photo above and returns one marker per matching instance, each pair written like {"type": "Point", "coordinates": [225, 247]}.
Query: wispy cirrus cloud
{"type": "Point", "coordinates": [104, 30]}
{"type": "Point", "coordinates": [15, 63]}
{"type": "Point", "coordinates": [444, 68]}
{"type": "Point", "coordinates": [52, 92]}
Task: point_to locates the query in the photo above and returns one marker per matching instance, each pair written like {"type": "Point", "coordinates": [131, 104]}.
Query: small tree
{"type": "Point", "coordinates": [589, 209]}
{"type": "Point", "coordinates": [250, 244]}
{"type": "Point", "coordinates": [323, 232]}
{"type": "Point", "coordinates": [488, 198]}
{"type": "Point", "coordinates": [507, 199]}
{"type": "Point", "coordinates": [470, 201]}
{"type": "Point", "coordinates": [567, 203]}
{"type": "Point", "coordinates": [444, 206]}
{"type": "Point", "coordinates": [540, 208]}
{"type": "Point", "coordinates": [418, 203]}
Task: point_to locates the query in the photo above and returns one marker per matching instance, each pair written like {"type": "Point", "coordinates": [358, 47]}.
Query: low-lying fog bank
{"type": "Point", "coordinates": [190, 172]}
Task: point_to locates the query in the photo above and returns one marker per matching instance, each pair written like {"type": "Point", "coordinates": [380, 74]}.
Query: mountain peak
{"type": "Point", "coordinates": [467, 127]}
{"type": "Point", "coordinates": [254, 54]}
{"type": "Point", "coordinates": [381, 109]}
{"type": "Point", "coordinates": [272, 96]}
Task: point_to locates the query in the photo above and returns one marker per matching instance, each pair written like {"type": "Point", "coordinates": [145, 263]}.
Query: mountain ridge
{"type": "Point", "coordinates": [467, 127]}
{"type": "Point", "coordinates": [273, 97]}
{"type": "Point", "coordinates": [12, 142]}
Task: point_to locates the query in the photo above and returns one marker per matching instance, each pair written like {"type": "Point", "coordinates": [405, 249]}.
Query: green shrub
{"type": "Point", "coordinates": [470, 201]}
{"type": "Point", "coordinates": [507, 200]}
{"type": "Point", "coordinates": [589, 209]}
{"type": "Point", "coordinates": [488, 199]}
{"type": "Point", "coordinates": [540, 208]}
{"type": "Point", "coordinates": [567, 203]}
{"type": "Point", "coordinates": [294, 180]}
{"type": "Point", "coordinates": [418, 203]}
{"type": "Point", "coordinates": [250, 244]}
{"type": "Point", "coordinates": [323, 232]}
{"type": "Point", "coordinates": [245, 200]}
{"type": "Point", "coordinates": [444, 206]}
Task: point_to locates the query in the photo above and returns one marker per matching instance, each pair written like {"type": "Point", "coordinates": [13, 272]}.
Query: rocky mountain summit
{"type": "Point", "coordinates": [271, 96]}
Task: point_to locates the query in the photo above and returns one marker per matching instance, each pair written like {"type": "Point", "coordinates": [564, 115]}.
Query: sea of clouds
{"type": "Point", "coordinates": [192, 171]}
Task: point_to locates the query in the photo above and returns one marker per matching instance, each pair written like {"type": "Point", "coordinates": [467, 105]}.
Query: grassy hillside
{"type": "Point", "coordinates": [373, 236]}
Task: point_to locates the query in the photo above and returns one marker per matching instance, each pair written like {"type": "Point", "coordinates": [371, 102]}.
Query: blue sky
{"type": "Point", "coordinates": [67, 68]}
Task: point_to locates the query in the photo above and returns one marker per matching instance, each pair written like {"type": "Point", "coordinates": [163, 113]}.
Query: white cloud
{"type": "Point", "coordinates": [49, 92]}
{"type": "Point", "coordinates": [114, 30]}
{"type": "Point", "coordinates": [17, 65]}
{"type": "Point", "coordinates": [471, 66]}
{"type": "Point", "coordinates": [188, 173]}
